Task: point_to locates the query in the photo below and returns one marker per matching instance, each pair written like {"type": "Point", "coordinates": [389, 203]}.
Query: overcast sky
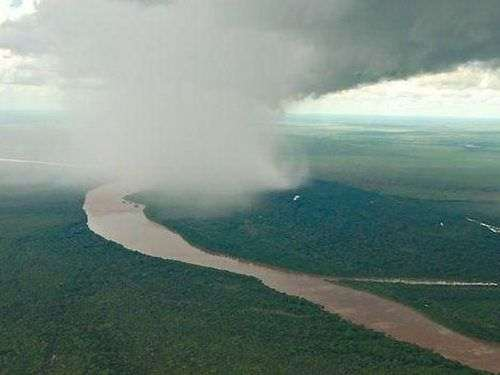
{"type": "Point", "coordinates": [458, 88]}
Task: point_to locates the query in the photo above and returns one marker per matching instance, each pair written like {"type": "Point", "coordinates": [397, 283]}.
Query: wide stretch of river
{"type": "Point", "coordinates": [126, 224]}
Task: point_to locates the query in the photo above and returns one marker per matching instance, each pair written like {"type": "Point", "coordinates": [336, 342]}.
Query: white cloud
{"type": "Point", "coordinates": [10, 10]}
{"type": "Point", "coordinates": [471, 90]}
{"type": "Point", "coordinates": [26, 82]}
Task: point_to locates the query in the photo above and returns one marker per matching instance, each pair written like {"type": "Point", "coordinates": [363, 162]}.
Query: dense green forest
{"type": "Point", "coordinates": [333, 229]}
{"type": "Point", "coordinates": [338, 230]}
{"type": "Point", "coordinates": [474, 311]}
{"type": "Point", "coordinates": [74, 303]}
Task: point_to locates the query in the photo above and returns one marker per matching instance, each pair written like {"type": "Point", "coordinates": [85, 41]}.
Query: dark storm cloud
{"type": "Point", "coordinates": [349, 42]}
{"type": "Point", "coordinates": [355, 42]}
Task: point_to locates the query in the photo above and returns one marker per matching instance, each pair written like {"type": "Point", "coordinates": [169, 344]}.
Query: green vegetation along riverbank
{"type": "Point", "coordinates": [338, 230]}
{"type": "Point", "coordinates": [334, 229]}
{"type": "Point", "coordinates": [74, 303]}
{"type": "Point", "coordinates": [474, 311]}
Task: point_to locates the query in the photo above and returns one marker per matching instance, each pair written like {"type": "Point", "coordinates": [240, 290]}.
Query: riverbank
{"type": "Point", "coordinates": [74, 303]}
{"type": "Point", "coordinates": [127, 225]}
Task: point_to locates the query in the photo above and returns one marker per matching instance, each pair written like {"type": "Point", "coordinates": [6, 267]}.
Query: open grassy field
{"type": "Point", "coordinates": [74, 303]}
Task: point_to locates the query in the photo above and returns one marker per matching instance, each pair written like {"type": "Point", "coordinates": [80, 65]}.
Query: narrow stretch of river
{"type": "Point", "coordinates": [126, 224]}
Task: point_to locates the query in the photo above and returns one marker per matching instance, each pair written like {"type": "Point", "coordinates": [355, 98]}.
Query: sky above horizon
{"type": "Point", "coordinates": [470, 90]}
{"type": "Point", "coordinates": [23, 83]}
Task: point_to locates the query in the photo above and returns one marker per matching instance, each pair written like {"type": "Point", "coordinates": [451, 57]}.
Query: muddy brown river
{"type": "Point", "coordinates": [126, 224]}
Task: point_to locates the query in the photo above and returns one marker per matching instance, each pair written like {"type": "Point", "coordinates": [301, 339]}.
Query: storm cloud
{"type": "Point", "coordinates": [347, 42]}
{"type": "Point", "coordinates": [184, 93]}
{"type": "Point", "coordinates": [357, 42]}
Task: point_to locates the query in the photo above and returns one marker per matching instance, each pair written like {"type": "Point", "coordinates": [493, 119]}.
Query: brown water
{"type": "Point", "coordinates": [126, 224]}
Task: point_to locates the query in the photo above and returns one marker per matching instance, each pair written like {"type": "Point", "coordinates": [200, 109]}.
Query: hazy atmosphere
{"type": "Point", "coordinates": [250, 187]}
{"type": "Point", "coordinates": [185, 92]}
